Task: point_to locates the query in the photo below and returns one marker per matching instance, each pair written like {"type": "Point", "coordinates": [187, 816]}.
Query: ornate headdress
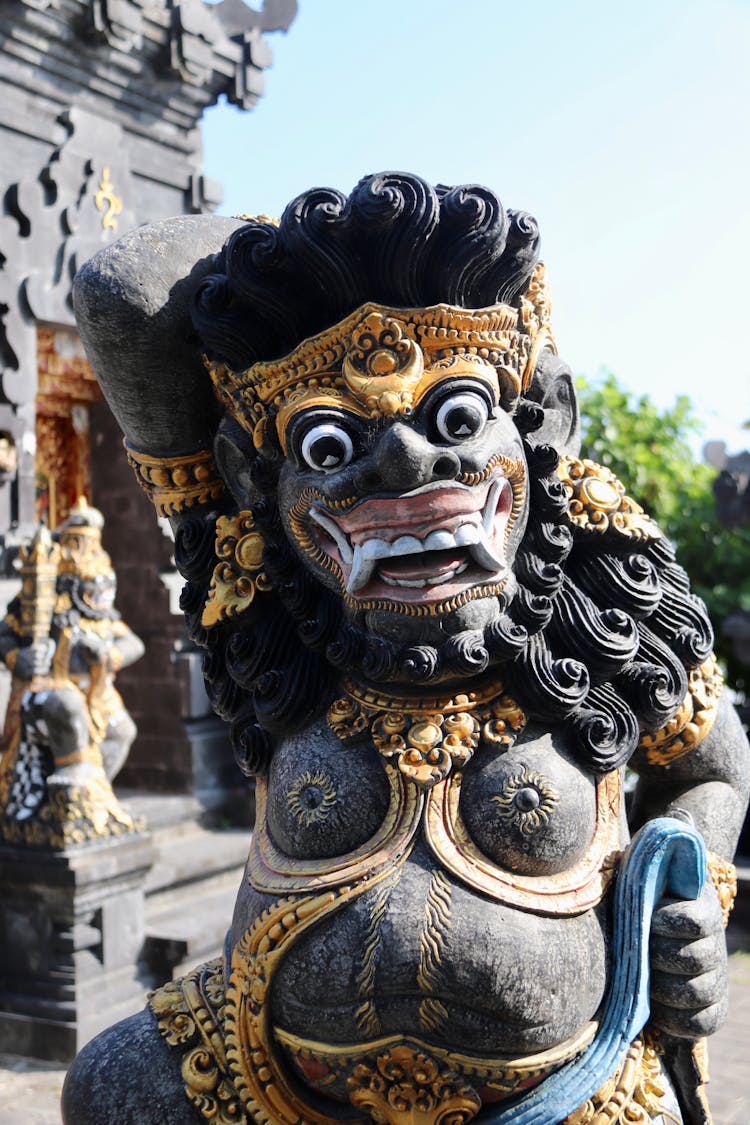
{"type": "Point", "coordinates": [379, 362]}
{"type": "Point", "coordinates": [359, 302]}
{"type": "Point", "coordinates": [80, 539]}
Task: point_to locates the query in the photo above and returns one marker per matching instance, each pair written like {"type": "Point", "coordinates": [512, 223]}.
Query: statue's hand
{"type": "Point", "coordinates": [689, 965]}
{"type": "Point", "coordinates": [34, 660]}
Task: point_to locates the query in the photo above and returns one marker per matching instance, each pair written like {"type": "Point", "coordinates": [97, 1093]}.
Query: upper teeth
{"type": "Point", "coordinates": [475, 534]}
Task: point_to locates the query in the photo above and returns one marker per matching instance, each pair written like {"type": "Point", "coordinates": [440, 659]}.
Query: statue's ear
{"type": "Point", "coordinates": [552, 387]}
{"type": "Point", "coordinates": [234, 454]}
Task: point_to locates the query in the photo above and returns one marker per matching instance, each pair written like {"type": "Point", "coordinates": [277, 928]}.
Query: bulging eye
{"type": "Point", "coordinates": [461, 416]}
{"type": "Point", "coordinates": [327, 447]}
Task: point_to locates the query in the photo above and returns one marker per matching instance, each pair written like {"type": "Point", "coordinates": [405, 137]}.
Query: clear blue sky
{"type": "Point", "coordinates": [623, 127]}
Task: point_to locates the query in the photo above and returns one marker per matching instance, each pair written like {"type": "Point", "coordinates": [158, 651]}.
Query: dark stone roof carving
{"type": "Point", "coordinates": [155, 51]}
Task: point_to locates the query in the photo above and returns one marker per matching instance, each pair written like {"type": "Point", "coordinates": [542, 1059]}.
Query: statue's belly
{"type": "Point", "coordinates": [424, 957]}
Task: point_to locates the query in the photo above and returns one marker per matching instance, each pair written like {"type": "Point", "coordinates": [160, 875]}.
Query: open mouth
{"type": "Point", "coordinates": [425, 545]}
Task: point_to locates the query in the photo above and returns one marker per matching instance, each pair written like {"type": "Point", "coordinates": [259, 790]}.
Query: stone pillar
{"type": "Point", "coordinates": [71, 932]}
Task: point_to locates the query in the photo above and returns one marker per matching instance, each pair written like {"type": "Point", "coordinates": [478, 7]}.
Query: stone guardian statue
{"type": "Point", "coordinates": [67, 733]}
{"type": "Point", "coordinates": [439, 637]}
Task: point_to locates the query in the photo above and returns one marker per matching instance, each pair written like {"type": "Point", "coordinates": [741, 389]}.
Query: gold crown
{"type": "Point", "coordinates": [380, 361]}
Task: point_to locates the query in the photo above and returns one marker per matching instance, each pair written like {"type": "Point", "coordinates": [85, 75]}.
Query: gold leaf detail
{"type": "Point", "coordinates": [409, 1087]}
{"type": "Point", "coordinates": [107, 201]}
{"type": "Point", "coordinates": [427, 737]}
{"type": "Point", "coordinates": [597, 501]}
{"type": "Point", "coordinates": [175, 483]}
{"type": "Point", "coordinates": [694, 718]}
{"type": "Point", "coordinates": [238, 575]}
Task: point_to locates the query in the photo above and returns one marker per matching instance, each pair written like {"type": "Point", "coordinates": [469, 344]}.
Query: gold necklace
{"type": "Point", "coordinates": [427, 735]}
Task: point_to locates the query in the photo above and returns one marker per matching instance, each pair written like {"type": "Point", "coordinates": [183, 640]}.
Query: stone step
{"type": "Point", "coordinates": [190, 893]}
{"type": "Point", "coordinates": [185, 929]}
{"type": "Point", "coordinates": [194, 856]}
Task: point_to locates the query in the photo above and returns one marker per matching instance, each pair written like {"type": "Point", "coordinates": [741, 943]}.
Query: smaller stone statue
{"type": "Point", "coordinates": [67, 733]}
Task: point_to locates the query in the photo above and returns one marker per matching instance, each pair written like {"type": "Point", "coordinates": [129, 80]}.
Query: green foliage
{"type": "Point", "coordinates": [649, 450]}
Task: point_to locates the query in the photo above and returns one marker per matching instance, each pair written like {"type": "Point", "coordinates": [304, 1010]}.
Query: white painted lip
{"type": "Point", "coordinates": [477, 533]}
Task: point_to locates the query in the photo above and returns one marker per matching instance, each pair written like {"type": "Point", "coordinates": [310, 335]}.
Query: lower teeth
{"type": "Point", "coordinates": [420, 583]}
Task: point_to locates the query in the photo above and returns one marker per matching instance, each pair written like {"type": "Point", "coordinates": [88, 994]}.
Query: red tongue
{"type": "Point", "coordinates": [428, 565]}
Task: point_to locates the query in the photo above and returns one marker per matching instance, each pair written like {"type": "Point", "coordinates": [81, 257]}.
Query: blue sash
{"type": "Point", "coordinates": [665, 855]}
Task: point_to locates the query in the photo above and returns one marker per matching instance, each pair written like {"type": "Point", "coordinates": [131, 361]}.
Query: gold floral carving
{"type": "Point", "coordinates": [175, 483]}
{"type": "Point", "coordinates": [724, 878]}
{"type": "Point", "coordinates": [597, 501]}
{"type": "Point", "coordinates": [382, 367]}
{"type": "Point", "coordinates": [238, 575]}
{"type": "Point", "coordinates": [694, 719]}
{"type": "Point", "coordinates": [409, 1087]}
{"type": "Point", "coordinates": [633, 1096]}
{"type": "Point", "coordinates": [541, 798]}
{"type": "Point", "coordinates": [427, 737]}
{"type": "Point", "coordinates": [189, 1014]}
{"type": "Point", "coordinates": [569, 892]}
{"type": "Point", "coordinates": [337, 1063]}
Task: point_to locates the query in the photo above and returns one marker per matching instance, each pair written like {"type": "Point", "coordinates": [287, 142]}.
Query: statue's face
{"type": "Point", "coordinates": [415, 516]}
{"type": "Point", "coordinates": [99, 593]}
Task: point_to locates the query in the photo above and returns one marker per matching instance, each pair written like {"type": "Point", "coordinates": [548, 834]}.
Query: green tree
{"type": "Point", "coordinates": [648, 449]}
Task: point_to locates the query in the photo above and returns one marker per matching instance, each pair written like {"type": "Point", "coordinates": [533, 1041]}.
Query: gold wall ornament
{"type": "Point", "coordinates": [409, 1087]}
{"type": "Point", "coordinates": [693, 721]}
{"type": "Point", "coordinates": [426, 736]}
{"type": "Point", "coordinates": [573, 891]}
{"type": "Point", "coordinates": [527, 801]}
{"type": "Point", "coordinates": [597, 501]}
{"type": "Point", "coordinates": [378, 362]}
{"type": "Point", "coordinates": [724, 878]}
{"type": "Point", "coordinates": [67, 387]}
{"type": "Point", "coordinates": [175, 483]}
{"type": "Point", "coordinates": [238, 575]}
{"type": "Point", "coordinates": [107, 201]}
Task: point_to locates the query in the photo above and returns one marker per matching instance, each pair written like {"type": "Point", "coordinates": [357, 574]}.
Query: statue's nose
{"type": "Point", "coordinates": [403, 459]}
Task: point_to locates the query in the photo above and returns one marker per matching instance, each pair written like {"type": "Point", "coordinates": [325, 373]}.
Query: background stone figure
{"type": "Point", "coordinates": [438, 636]}
{"type": "Point", "coordinates": [67, 732]}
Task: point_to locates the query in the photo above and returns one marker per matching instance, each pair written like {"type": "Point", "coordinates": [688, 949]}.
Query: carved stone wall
{"type": "Point", "coordinates": [100, 104]}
